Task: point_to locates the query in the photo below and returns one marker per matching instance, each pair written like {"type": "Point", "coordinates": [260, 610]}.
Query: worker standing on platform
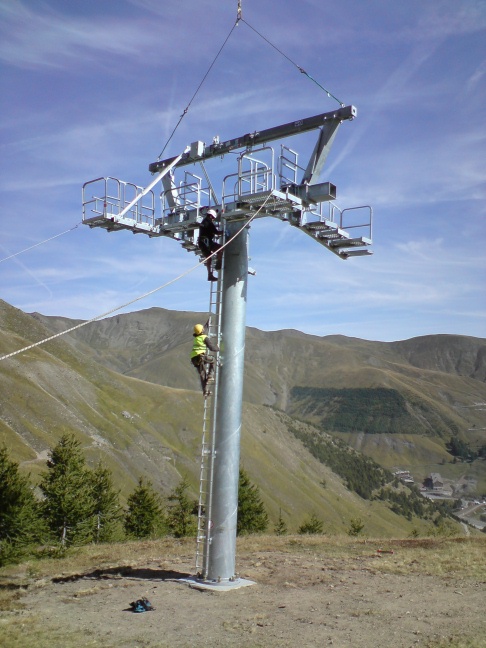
{"type": "Point", "coordinates": [207, 233]}
{"type": "Point", "coordinates": [200, 358]}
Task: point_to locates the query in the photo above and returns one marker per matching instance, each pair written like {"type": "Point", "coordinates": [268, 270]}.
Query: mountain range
{"type": "Point", "coordinates": [124, 386]}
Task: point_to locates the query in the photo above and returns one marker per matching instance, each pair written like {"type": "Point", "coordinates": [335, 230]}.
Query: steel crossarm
{"type": "Point", "coordinates": [249, 140]}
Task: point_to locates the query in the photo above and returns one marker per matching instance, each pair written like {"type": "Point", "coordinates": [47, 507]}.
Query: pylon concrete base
{"type": "Point", "coordinates": [225, 585]}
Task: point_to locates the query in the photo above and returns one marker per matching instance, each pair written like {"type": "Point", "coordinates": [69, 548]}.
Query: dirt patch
{"type": "Point", "coordinates": [305, 594]}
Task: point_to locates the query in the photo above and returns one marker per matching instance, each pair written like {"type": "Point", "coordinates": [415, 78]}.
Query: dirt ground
{"type": "Point", "coordinates": [306, 593]}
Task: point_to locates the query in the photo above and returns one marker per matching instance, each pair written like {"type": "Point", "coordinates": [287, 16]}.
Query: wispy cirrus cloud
{"type": "Point", "coordinates": [36, 38]}
{"type": "Point", "coordinates": [45, 36]}
{"type": "Point", "coordinates": [95, 89]}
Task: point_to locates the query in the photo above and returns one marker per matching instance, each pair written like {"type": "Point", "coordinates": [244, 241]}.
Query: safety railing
{"type": "Point", "coordinates": [356, 220]}
{"type": "Point", "coordinates": [288, 166]}
{"type": "Point", "coordinates": [255, 175]}
{"type": "Point", "coordinates": [192, 196]}
{"type": "Point", "coordinates": [107, 197]}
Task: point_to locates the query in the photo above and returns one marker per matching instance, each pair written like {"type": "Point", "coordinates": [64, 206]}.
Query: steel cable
{"type": "Point", "coordinates": [132, 301]}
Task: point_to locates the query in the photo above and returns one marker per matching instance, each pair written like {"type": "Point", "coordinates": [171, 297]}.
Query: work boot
{"type": "Point", "coordinates": [211, 277]}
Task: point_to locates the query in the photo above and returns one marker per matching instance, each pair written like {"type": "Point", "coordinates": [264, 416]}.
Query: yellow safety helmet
{"type": "Point", "coordinates": [198, 329]}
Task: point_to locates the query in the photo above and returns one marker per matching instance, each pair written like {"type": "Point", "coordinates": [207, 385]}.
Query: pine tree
{"type": "Point", "coordinates": [144, 517]}
{"type": "Point", "coordinates": [252, 516]}
{"type": "Point", "coordinates": [311, 525]}
{"type": "Point", "coordinates": [21, 524]}
{"type": "Point", "coordinates": [68, 496]}
{"type": "Point", "coordinates": [356, 526]}
{"type": "Point", "coordinates": [106, 506]}
{"type": "Point", "coordinates": [180, 514]}
{"type": "Point", "coordinates": [280, 527]}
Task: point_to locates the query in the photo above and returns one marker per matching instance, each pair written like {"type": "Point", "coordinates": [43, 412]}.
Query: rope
{"type": "Point", "coordinates": [37, 244]}
{"type": "Point", "coordinates": [93, 319]}
{"type": "Point", "coordinates": [129, 303]}
{"type": "Point", "coordinates": [239, 18]}
{"type": "Point", "coordinates": [301, 70]}
{"type": "Point", "coordinates": [186, 109]}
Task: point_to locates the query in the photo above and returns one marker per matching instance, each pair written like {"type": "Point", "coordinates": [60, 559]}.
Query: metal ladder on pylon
{"type": "Point", "coordinates": [203, 538]}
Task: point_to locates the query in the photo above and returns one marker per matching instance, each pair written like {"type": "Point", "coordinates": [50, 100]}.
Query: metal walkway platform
{"type": "Point", "coordinates": [265, 184]}
{"type": "Point", "coordinates": [183, 225]}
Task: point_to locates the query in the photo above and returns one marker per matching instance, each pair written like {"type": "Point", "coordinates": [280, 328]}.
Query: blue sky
{"type": "Point", "coordinates": [90, 89]}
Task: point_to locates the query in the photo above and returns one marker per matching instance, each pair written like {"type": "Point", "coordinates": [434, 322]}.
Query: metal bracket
{"type": "Point", "coordinates": [320, 153]}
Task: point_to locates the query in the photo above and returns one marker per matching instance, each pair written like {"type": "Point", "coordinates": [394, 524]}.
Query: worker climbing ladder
{"type": "Point", "coordinates": [203, 537]}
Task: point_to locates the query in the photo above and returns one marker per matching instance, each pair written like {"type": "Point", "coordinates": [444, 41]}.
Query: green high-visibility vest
{"type": "Point", "coordinates": [199, 347]}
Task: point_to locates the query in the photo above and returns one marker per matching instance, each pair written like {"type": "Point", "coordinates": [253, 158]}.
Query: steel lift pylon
{"type": "Point", "coordinates": [265, 184]}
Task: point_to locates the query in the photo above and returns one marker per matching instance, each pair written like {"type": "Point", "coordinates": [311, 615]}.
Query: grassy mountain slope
{"type": "Point", "coordinates": [398, 402]}
{"type": "Point", "coordinates": [445, 373]}
{"type": "Point", "coordinates": [139, 428]}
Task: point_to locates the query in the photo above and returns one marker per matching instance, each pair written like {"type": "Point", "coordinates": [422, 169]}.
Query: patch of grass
{"type": "Point", "coordinates": [439, 557]}
{"type": "Point", "coordinates": [86, 592]}
{"type": "Point", "coordinates": [87, 558]}
{"type": "Point", "coordinates": [25, 632]}
{"type": "Point", "coordinates": [368, 612]}
{"type": "Point", "coordinates": [462, 557]}
{"type": "Point", "coordinates": [455, 642]}
{"type": "Point", "coordinates": [10, 598]}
